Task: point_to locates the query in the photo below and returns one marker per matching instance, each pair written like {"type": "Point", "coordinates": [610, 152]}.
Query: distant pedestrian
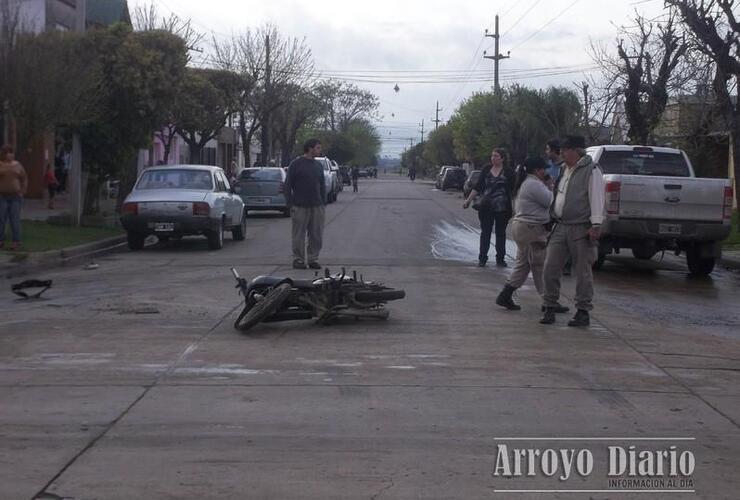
{"type": "Point", "coordinates": [13, 187]}
{"type": "Point", "coordinates": [355, 178]}
{"type": "Point", "coordinates": [305, 193]}
{"type": "Point", "coordinates": [495, 186]}
{"type": "Point", "coordinates": [531, 215]}
{"type": "Point", "coordinates": [578, 211]}
{"type": "Point", "coordinates": [51, 183]}
{"type": "Point", "coordinates": [59, 172]}
{"type": "Point", "coordinates": [412, 174]}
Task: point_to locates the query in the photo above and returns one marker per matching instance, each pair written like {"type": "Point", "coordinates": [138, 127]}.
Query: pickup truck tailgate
{"type": "Point", "coordinates": [670, 198]}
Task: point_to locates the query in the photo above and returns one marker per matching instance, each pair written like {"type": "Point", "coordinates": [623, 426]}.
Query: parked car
{"type": "Point", "coordinates": [453, 178]}
{"type": "Point", "coordinates": [655, 202]}
{"type": "Point", "coordinates": [183, 200]}
{"type": "Point", "coordinates": [338, 174]}
{"type": "Point", "coordinates": [470, 182]}
{"type": "Point", "coordinates": [330, 179]}
{"type": "Point", "coordinates": [440, 175]}
{"type": "Point", "coordinates": [263, 189]}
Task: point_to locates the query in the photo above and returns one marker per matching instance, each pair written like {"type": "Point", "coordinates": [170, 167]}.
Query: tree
{"type": "Point", "coordinates": [440, 148]}
{"type": "Point", "coordinates": [139, 77]}
{"type": "Point", "coordinates": [344, 102]}
{"type": "Point", "coordinates": [302, 106]}
{"type": "Point", "coordinates": [271, 67]}
{"type": "Point", "coordinates": [716, 30]}
{"type": "Point", "coordinates": [208, 97]}
{"type": "Point", "coordinates": [647, 67]}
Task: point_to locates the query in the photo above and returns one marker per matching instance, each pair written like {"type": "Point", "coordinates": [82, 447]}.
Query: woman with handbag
{"type": "Point", "coordinates": [495, 185]}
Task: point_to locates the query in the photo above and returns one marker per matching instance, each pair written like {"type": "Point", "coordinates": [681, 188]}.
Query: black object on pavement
{"type": "Point", "coordinates": [20, 288]}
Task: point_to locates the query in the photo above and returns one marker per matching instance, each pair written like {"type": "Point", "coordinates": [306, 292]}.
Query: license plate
{"type": "Point", "coordinates": [164, 227]}
{"type": "Point", "coordinates": [259, 201]}
{"type": "Point", "coordinates": [669, 228]}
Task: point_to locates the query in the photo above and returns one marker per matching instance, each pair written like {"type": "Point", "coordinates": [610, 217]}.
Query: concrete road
{"type": "Point", "coordinates": [129, 381]}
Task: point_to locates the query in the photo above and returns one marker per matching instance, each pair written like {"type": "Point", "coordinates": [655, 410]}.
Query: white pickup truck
{"type": "Point", "coordinates": [655, 202]}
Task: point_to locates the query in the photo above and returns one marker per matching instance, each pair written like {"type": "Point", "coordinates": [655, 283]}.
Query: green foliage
{"type": "Point", "coordinates": [440, 148]}
{"type": "Point", "coordinates": [207, 97]}
{"type": "Point", "coordinates": [358, 145]}
{"type": "Point", "coordinates": [140, 74]}
{"type": "Point", "coordinates": [521, 121]}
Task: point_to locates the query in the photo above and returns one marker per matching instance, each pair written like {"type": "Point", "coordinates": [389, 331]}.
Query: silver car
{"type": "Point", "coordinates": [263, 189]}
{"type": "Point", "coordinates": [183, 200]}
{"type": "Point", "coordinates": [330, 179]}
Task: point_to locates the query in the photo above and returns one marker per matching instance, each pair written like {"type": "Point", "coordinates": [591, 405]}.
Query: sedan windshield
{"type": "Point", "coordinates": [176, 179]}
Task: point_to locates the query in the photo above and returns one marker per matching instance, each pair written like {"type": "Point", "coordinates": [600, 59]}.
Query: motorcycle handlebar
{"type": "Point", "coordinates": [236, 274]}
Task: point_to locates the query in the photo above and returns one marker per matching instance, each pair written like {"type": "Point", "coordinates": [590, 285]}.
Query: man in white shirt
{"type": "Point", "coordinates": [578, 210]}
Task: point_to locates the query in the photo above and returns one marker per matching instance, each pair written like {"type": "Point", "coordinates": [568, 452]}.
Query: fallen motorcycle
{"type": "Point", "coordinates": [272, 299]}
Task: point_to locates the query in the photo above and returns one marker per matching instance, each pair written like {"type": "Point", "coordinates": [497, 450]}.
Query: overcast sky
{"type": "Point", "coordinates": [432, 49]}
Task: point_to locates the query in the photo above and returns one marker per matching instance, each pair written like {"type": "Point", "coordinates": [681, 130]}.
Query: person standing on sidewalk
{"type": "Point", "coordinates": [305, 194]}
{"type": "Point", "coordinates": [495, 185]}
{"type": "Point", "coordinates": [355, 178]}
{"type": "Point", "coordinates": [578, 211]}
{"type": "Point", "coordinates": [13, 186]}
{"type": "Point", "coordinates": [51, 183]}
{"type": "Point", "coordinates": [555, 166]}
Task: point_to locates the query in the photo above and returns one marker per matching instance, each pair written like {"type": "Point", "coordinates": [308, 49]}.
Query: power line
{"type": "Point", "coordinates": [521, 17]}
{"type": "Point", "coordinates": [548, 23]}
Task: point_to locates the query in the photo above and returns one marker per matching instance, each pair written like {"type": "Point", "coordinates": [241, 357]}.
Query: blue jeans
{"type": "Point", "coordinates": [10, 208]}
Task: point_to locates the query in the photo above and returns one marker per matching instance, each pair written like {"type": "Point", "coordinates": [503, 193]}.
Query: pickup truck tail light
{"type": "Point", "coordinates": [613, 189]}
{"type": "Point", "coordinates": [201, 208]}
{"type": "Point", "coordinates": [729, 199]}
{"type": "Point", "coordinates": [130, 209]}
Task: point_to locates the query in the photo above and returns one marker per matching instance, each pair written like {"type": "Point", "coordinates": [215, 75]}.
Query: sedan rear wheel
{"type": "Point", "coordinates": [238, 233]}
{"type": "Point", "coordinates": [216, 238]}
{"type": "Point", "coordinates": [135, 240]}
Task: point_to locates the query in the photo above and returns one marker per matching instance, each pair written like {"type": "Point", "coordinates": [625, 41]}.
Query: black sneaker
{"type": "Point", "coordinates": [297, 264]}
{"type": "Point", "coordinates": [501, 263]}
{"type": "Point", "coordinates": [481, 263]}
{"type": "Point", "coordinates": [580, 319]}
{"type": "Point", "coordinates": [314, 265]}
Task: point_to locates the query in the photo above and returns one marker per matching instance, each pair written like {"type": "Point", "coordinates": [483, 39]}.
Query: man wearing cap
{"type": "Point", "coordinates": [578, 211]}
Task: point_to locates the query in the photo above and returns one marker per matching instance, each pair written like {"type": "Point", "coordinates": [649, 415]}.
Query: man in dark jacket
{"type": "Point", "coordinates": [305, 192]}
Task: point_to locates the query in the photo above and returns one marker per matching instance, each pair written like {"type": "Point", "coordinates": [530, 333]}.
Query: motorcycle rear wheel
{"type": "Point", "coordinates": [250, 316]}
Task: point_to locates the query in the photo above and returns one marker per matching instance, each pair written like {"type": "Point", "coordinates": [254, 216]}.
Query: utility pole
{"type": "Point", "coordinates": [436, 119]}
{"type": "Point", "coordinates": [265, 112]}
{"type": "Point", "coordinates": [496, 58]}
{"type": "Point", "coordinates": [422, 130]}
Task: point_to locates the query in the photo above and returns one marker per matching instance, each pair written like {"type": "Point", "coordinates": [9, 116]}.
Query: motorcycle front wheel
{"type": "Point", "coordinates": [261, 309]}
{"type": "Point", "coordinates": [380, 296]}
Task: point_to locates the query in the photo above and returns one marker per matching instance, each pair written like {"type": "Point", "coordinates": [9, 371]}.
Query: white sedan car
{"type": "Point", "coordinates": [183, 200]}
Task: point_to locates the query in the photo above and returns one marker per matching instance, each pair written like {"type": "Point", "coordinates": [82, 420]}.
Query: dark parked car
{"type": "Point", "coordinates": [440, 176]}
{"type": "Point", "coordinates": [471, 182]}
{"type": "Point", "coordinates": [453, 178]}
{"type": "Point", "coordinates": [263, 189]}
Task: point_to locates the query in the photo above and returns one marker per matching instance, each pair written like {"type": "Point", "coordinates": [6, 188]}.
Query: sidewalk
{"type": "Point", "coordinates": [38, 211]}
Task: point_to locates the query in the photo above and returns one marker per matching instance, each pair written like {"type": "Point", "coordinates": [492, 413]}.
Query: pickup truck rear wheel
{"type": "Point", "coordinates": [238, 233]}
{"type": "Point", "coordinates": [698, 265]}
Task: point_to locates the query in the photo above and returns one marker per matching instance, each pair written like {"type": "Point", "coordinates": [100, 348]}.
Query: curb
{"type": "Point", "coordinates": [56, 258]}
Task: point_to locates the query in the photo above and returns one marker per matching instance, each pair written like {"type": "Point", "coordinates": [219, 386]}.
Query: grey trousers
{"type": "Point", "coordinates": [307, 220]}
{"type": "Point", "coordinates": [570, 240]}
{"type": "Point", "coordinates": [531, 240]}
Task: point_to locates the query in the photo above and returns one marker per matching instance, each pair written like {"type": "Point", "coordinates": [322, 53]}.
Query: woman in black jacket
{"type": "Point", "coordinates": [495, 186]}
